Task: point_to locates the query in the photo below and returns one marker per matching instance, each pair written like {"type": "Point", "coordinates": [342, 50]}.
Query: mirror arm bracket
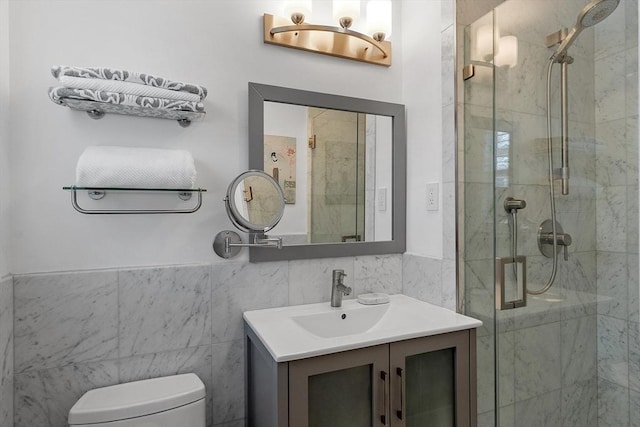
{"type": "Point", "coordinates": [227, 243]}
{"type": "Point", "coordinates": [260, 239]}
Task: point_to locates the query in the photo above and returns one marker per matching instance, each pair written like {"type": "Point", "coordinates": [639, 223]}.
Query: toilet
{"type": "Point", "coordinates": [177, 400]}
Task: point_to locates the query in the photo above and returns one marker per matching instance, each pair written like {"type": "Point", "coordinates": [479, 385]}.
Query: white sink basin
{"type": "Point", "coordinates": [334, 323]}
{"type": "Point", "coordinates": [301, 331]}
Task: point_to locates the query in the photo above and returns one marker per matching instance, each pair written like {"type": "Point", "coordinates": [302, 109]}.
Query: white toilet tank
{"type": "Point", "coordinates": [177, 400]}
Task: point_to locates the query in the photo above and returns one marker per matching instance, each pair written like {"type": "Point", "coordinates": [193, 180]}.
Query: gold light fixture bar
{"type": "Point", "coordinates": [327, 40]}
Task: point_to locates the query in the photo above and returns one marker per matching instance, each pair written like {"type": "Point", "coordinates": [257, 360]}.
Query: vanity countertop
{"type": "Point", "coordinates": [302, 331]}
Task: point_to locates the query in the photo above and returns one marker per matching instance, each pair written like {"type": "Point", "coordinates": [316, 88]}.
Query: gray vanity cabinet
{"type": "Point", "coordinates": [433, 381]}
{"type": "Point", "coordinates": [419, 382]}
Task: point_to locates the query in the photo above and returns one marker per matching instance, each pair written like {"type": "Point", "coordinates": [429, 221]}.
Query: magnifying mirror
{"type": "Point", "coordinates": [255, 204]}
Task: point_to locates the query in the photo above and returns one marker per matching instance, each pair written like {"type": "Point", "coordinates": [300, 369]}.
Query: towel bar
{"type": "Point", "coordinates": [97, 193]}
{"type": "Point", "coordinates": [97, 110]}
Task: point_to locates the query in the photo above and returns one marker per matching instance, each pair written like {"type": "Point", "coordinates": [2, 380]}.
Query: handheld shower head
{"type": "Point", "coordinates": [596, 12]}
{"type": "Point", "coordinates": [592, 14]}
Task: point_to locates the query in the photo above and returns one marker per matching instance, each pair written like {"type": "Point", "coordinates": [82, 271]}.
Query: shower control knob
{"type": "Point", "coordinates": [545, 239]}
{"type": "Point", "coordinates": [563, 239]}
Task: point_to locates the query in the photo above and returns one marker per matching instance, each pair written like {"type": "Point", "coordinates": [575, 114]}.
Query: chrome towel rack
{"type": "Point", "coordinates": [97, 193]}
{"type": "Point", "coordinates": [97, 110]}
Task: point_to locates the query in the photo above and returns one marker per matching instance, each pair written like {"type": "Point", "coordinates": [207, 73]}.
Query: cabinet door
{"type": "Point", "coordinates": [348, 389]}
{"type": "Point", "coordinates": [430, 381]}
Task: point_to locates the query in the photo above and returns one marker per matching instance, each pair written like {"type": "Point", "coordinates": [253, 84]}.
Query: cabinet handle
{"type": "Point", "coordinates": [399, 411]}
{"type": "Point", "coordinates": [385, 399]}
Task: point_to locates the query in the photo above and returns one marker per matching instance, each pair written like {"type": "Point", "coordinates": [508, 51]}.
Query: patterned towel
{"type": "Point", "coordinates": [129, 76]}
{"type": "Point", "coordinates": [58, 94]}
{"type": "Point", "coordinates": [126, 87]}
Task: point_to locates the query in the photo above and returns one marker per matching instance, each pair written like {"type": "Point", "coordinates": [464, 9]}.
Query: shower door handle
{"type": "Point", "coordinates": [518, 297]}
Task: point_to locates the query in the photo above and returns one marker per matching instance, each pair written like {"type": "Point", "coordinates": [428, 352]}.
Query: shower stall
{"type": "Point", "coordinates": [548, 209]}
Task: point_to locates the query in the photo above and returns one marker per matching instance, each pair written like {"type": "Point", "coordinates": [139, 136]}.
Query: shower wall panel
{"type": "Point", "coordinates": [616, 144]}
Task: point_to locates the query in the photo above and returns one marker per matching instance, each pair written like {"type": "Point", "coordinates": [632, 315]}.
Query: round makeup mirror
{"type": "Point", "coordinates": [255, 204]}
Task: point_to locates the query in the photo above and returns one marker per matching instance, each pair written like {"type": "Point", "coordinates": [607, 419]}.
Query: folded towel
{"type": "Point", "coordinates": [126, 87]}
{"type": "Point", "coordinates": [57, 94]}
{"type": "Point", "coordinates": [127, 167]}
{"type": "Point", "coordinates": [106, 73]}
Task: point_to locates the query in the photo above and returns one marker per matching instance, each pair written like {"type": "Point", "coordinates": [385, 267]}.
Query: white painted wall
{"type": "Point", "coordinates": [291, 120]}
{"type": "Point", "coordinates": [4, 140]}
{"type": "Point", "coordinates": [214, 43]}
{"type": "Point", "coordinates": [421, 82]}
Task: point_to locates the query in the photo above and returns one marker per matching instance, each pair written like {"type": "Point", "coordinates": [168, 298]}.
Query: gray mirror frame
{"type": "Point", "coordinates": [258, 94]}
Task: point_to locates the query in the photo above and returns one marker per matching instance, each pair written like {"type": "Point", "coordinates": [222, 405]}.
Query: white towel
{"type": "Point", "coordinates": [126, 87]}
{"type": "Point", "coordinates": [129, 167]}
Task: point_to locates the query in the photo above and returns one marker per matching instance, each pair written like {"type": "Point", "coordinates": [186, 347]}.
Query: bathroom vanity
{"type": "Point", "coordinates": [405, 363]}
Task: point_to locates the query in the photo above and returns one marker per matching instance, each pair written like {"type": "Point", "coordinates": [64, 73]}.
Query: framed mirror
{"type": "Point", "coordinates": [341, 163]}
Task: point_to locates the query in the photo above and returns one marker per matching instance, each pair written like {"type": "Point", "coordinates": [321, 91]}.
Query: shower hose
{"type": "Point", "coordinates": [552, 203]}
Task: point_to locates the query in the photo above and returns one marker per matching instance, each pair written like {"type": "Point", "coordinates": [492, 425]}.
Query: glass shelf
{"type": "Point", "coordinates": [97, 193]}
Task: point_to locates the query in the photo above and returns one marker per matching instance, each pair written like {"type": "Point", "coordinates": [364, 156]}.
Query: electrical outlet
{"type": "Point", "coordinates": [433, 196]}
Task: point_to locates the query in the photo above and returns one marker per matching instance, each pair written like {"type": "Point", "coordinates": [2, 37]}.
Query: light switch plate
{"type": "Point", "coordinates": [381, 199]}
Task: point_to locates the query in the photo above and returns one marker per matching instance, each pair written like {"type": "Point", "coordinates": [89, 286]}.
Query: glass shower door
{"type": "Point", "coordinates": [477, 229]}
{"type": "Point", "coordinates": [337, 185]}
{"type": "Point", "coordinates": [566, 357]}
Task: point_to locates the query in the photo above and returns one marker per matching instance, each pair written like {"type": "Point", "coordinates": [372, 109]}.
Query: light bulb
{"type": "Point", "coordinates": [379, 19]}
{"type": "Point", "coordinates": [508, 52]}
{"type": "Point", "coordinates": [346, 12]}
{"type": "Point", "coordinates": [298, 10]}
{"type": "Point", "coordinates": [484, 43]}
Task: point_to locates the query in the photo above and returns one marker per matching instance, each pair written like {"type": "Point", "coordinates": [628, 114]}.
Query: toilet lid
{"type": "Point", "coordinates": [136, 399]}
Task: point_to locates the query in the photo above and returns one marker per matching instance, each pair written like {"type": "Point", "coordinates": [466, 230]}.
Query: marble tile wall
{"type": "Point", "coordinates": [80, 330]}
{"type": "Point", "coordinates": [6, 352]}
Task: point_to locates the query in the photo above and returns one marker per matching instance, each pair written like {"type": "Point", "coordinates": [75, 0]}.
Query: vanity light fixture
{"type": "Point", "coordinates": [342, 40]}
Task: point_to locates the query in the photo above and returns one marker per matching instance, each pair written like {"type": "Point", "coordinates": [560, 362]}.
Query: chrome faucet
{"type": "Point", "coordinates": [338, 288]}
